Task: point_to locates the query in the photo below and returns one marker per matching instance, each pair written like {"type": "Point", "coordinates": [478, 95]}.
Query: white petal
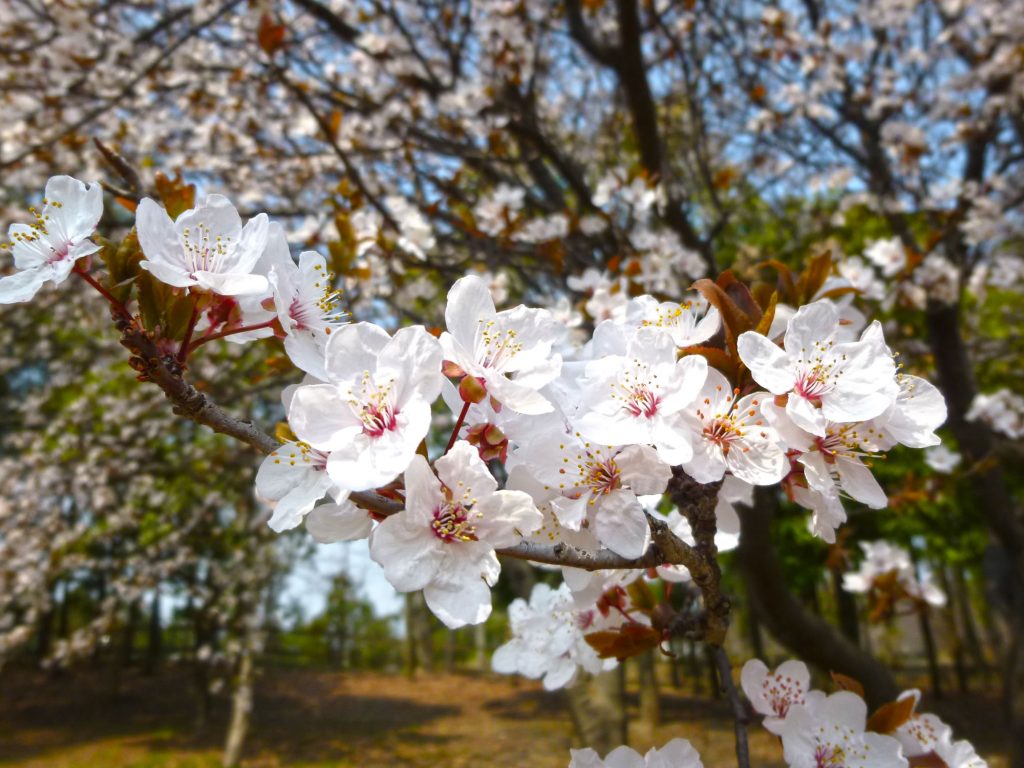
{"type": "Point", "coordinates": [158, 237]}
{"type": "Point", "coordinates": [320, 416]}
{"type": "Point", "coordinates": [770, 366]}
{"type": "Point", "coordinates": [621, 524]}
{"type": "Point", "coordinates": [507, 517]}
{"type": "Point", "coordinates": [408, 551]}
{"type": "Point", "coordinates": [21, 286]}
{"type": "Point", "coordinates": [338, 522]}
{"type": "Point", "coordinates": [469, 301]}
{"type": "Point", "coordinates": [643, 470]}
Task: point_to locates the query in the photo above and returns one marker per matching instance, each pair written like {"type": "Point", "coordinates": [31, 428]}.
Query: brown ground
{"type": "Point", "coordinates": [316, 719]}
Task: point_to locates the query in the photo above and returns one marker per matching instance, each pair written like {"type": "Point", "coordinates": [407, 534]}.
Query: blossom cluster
{"type": "Point", "coordinates": [819, 729]}
{"type": "Point", "coordinates": [888, 567]}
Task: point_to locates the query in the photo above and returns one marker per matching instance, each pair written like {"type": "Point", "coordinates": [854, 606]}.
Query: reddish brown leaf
{"type": "Point", "coordinates": [641, 596]}
{"type": "Point", "coordinates": [270, 34]}
{"type": "Point", "coordinates": [175, 194]}
{"type": "Point", "coordinates": [717, 358]}
{"type": "Point", "coordinates": [845, 683]}
{"type": "Point", "coordinates": [630, 640]}
{"type": "Point", "coordinates": [734, 320]}
{"type": "Point", "coordinates": [126, 202]}
{"type": "Point", "coordinates": [888, 717]}
{"type": "Point", "coordinates": [814, 277]}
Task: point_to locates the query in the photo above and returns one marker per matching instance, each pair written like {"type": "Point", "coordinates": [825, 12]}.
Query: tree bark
{"type": "Point", "coordinates": [154, 641]}
{"type": "Point", "coordinates": [598, 710]}
{"type": "Point", "coordinates": [647, 679]}
{"type": "Point", "coordinates": [802, 633]}
{"type": "Point", "coordinates": [241, 708]}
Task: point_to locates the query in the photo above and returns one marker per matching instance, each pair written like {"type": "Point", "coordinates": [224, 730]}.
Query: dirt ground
{"type": "Point", "coordinates": [306, 718]}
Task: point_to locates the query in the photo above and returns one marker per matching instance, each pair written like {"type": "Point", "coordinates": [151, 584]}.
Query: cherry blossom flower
{"type": "Point", "coordinates": [597, 485]}
{"type": "Point", "coordinates": [207, 247]}
{"type": "Point", "coordinates": [919, 409]}
{"type": "Point", "coordinates": [295, 477]}
{"type": "Point", "coordinates": [548, 638]}
{"type": "Point", "coordinates": [888, 256]}
{"type": "Point", "coordinates": [942, 459]}
{"type": "Point", "coordinates": [831, 734]}
{"type": "Point", "coordinates": [375, 407]}
{"type": "Point", "coordinates": [48, 248]}
{"type": "Point", "coordinates": [688, 323]}
{"type": "Point", "coordinates": [773, 694]}
{"type": "Point", "coordinates": [731, 435]}
{"type": "Point", "coordinates": [959, 754]}
{"type": "Point", "coordinates": [832, 461]}
{"type": "Point", "coordinates": [923, 732]}
{"type": "Point", "coordinates": [307, 306]}
{"type": "Point", "coordinates": [823, 378]}
{"type": "Point", "coordinates": [882, 559]}
{"type": "Point", "coordinates": [826, 506]}
{"type": "Point", "coordinates": [678, 753]}
{"type": "Point", "coordinates": [1002, 410]}
{"type": "Point", "coordinates": [509, 351]}
{"type": "Point", "coordinates": [443, 542]}
{"type": "Point", "coordinates": [639, 397]}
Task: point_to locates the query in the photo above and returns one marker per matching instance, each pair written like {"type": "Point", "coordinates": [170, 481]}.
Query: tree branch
{"type": "Point", "coordinates": [739, 711]}
{"type": "Point", "coordinates": [164, 370]}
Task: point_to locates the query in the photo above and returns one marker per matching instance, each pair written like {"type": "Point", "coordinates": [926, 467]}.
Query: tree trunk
{"type": "Point", "coordinates": [971, 636]}
{"type": "Point", "coordinates": [598, 710]}
{"type": "Point", "coordinates": [931, 653]}
{"type": "Point", "coordinates": [647, 679]}
{"type": "Point", "coordinates": [846, 608]}
{"type": "Point", "coordinates": [154, 640]}
{"type": "Point", "coordinates": [241, 708]}
{"type": "Point", "coordinates": [807, 636]}
{"type": "Point", "coordinates": [480, 641]}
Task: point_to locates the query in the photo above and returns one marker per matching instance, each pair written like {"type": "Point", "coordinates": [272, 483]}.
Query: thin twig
{"type": "Point", "coordinates": [739, 711]}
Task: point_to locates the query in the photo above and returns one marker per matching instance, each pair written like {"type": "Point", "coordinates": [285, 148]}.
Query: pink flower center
{"type": "Point", "coordinates": [603, 477]}
{"type": "Point", "coordinates": [829, 756]}
{"type": "Point", "coordinates": [782, 693]}
{"type": "Point", "coordinates": [378, 419]}
{"type": "Point", "coordinates": [723, 432]}
{"type": "Point", "coordinates": [451, 523]}
{"type": "Point", "coordinates": [811, 385]}
{"type": "Point", "coordinates": [642, 402]}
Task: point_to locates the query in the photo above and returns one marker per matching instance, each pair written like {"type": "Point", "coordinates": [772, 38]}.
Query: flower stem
{"type": "Point", "coordinates": [230, 332]}
{"type": "Point", "coordinates": [120, 308]}
{"type": "Point", "coordinates": [183, 350]}
{"type": "Point", "coordinates": [458, 425]}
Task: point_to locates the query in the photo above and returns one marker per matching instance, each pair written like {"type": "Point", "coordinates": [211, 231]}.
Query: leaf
{"type": "Point", "coordinates": [152, 296]}
{"type": "Point", "coordinates": [717, 358]}
{"type": "Point", "coordinates": [768, 316]}
{"type": "Point", "coordinates": [888, 717]}
{"type": "Point", "coordinates": [740, 294]}
{"type": "Point", "coordinates": [127, 203]}
{"type": "Point", "coordinates": [845, 683]}
{"type": "Point", "coordinates": [178, 313]}
{"type": "Point", "coordinates": [641, 596]}
{"type": "Point", "coordinates": [630, 640]}
{"type": "Point", "coordinates": [270, 34]}
{"type": "Point", "coordinates": [787, 285]}
{"type": "Point", "coordinates": [175, 194]}
{"type": "Point", "coordinates": [814, 277]}
{"type": "Point", "coordinates": [734, 320]}
{"type": "Point", "coordinates": [334, 122]}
